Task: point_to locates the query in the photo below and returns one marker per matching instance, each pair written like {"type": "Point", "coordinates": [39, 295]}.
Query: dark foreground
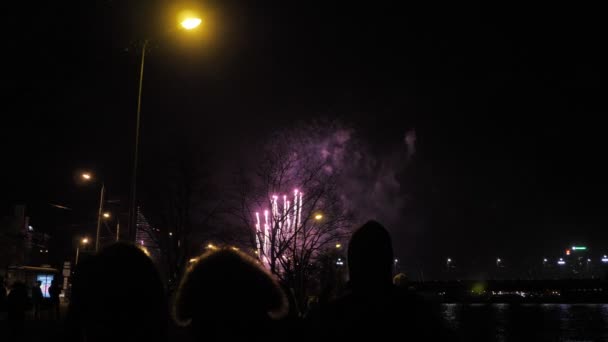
{"type": "Point", "coordinates": [471, 322]}
{"type": "Point", "coordinates": [528, 322]}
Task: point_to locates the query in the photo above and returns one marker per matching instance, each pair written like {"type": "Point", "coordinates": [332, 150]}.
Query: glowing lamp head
{"type": "Point", "coordinates": [449, 260]}
{"type": "Point", "coordinates": [318, 217]}
{"type": "Point", "coordinates": [85, 241]}
{"type": "Point", "coordinates": [191, 23]}
{"type": "Point", "coordinates": [106, 215]}
{"type": "Point", "coordinates": [86, 176]}
{"type": "Point", "coordinates": [338, 245]}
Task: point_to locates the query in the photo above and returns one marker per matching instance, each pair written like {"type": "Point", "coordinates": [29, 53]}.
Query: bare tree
{"type": "Point", "coordinates": [291, 206]}
{"type": "Point", "coordinates": [180, 205]}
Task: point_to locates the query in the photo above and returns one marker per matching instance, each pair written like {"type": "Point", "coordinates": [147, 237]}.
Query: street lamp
{"type": "Point", "coordinates": [82, 242]}
{"type": "Point", "coordinates": [88, 177]}
{"type": "Point", "coordinates": [106, 215]}
{"type": "Point", "coordinates": [318, 217]}
{"type": "Point", "coordinates": [189, 23]}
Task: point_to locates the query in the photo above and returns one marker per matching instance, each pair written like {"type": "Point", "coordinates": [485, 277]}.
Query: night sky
{"type": "Point", "coordinates": [507, 103]}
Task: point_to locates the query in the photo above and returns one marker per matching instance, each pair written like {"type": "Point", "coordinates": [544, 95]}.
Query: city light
{"type": "Point", "coordinates": [579, 248]}
{"type": "Point", "coordinates": [545, 260]}
{"type": "Point", "coordinates": [211, 246]}
{"type": "Point", "coordinates": [30, 228]}
{"type": "Point", "coordinates": [86, 176]}
{"type": "Point", "coordinates": [193, 260]}
{"type": "Point", "coordinates": [85, 241]}
{"type": "Point", "coordinates": [567, 252]}
{"type": "Point", "coordinates": [396, 261]}
{"type": "Point", "coordinates": [561, 261]}
{"type": "Point", "coordinates": [338, 245]}
{"type": "Point", "coordinates": [170, 233]}
{"type": "Point", "coordinates": [106, 215]}
{"type": "Point", "coordinates": [605, 259]}
{"type": "Point", "coordinates": [498, 260]}
{"type": "Point", "coordinates": [318, 217]}
{"type": "Point", "coordinates": [449, 260]}
{"type": "Point", "coordinates": [340, 262]}
{"type": "Point", "coordinates": [191, 23]}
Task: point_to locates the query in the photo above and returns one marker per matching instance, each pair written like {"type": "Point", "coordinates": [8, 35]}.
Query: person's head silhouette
{"type": "Point", "coordinates": [118, 295]}
{"type": "Point", "coordinates": [226, 294]}
{"type": "Point", "coordinates": [370, 258]}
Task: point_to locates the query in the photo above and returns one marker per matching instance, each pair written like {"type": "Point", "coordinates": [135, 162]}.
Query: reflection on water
{"type": "Point", "coordinates": [528, 322]}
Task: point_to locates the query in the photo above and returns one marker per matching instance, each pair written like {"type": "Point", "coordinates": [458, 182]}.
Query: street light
{"type": "Point", "coordinates": [88, 177]}
{"type": "Point", "coordinates": [106, 215]}
{"type": "Point", "coordinates": [319, 217]}
{"type": "Point", "coordinates": [188, 23]}
{"type": "Point", "coordinates": [83, 242]}
{"type": "Point", "coordinates": [191, 23]}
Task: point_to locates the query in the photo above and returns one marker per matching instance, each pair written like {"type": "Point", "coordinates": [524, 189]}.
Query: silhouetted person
{"type": "Point", "coordinates": [54, 292]}
{"type": "Point", "coordinates": [17, 303]}
{"type": "Point", "coordinates": [373, 307]}
{"type": "Point", "coordinates": [117, 295]}
{"type": "Point", "coordinates": [37, 299]}
{"type": "Point", "coordinates": [227, 295]}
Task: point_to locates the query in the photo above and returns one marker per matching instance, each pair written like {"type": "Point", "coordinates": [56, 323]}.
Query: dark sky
{"type": "Point", "coordinates": [506, 101]}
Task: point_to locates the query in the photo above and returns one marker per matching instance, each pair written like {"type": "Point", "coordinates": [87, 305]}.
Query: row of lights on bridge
{"type": "Point", "coordinates": [561, 261]}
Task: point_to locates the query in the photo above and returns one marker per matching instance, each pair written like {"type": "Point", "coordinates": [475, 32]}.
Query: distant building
{"type": "Point", "coordinates": [14, 238]}
{"type": "Point", "coordinates": [20, 244]}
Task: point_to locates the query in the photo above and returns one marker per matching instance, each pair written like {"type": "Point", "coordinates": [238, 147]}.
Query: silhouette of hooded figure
{"type": "Point", "coordinates": [372, 306]}
{"type": "Point", "coordinates": [117, 295]}
{"type": "Point", "coordinates": [227, 295]}
{"type": "Point", "coordinates": [370, 260]}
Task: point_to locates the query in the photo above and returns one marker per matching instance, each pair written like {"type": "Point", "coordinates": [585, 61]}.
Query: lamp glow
{"type": "Point", "coordinates": [191, 23]}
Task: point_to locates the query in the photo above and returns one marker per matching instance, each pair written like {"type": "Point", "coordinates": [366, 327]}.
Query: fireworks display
{"type": "Point", "coordinates": [284, 218]}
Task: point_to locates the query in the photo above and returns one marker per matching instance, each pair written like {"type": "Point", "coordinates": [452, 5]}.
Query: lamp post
{"type": "Point", "coordinates": [88, 177]}
{"type": "Point", "coordinates": [188, 23]}
{"type": "Point", "coordinates": [83, 242]}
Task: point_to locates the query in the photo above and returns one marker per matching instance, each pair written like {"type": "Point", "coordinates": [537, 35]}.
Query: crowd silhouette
{"type": "Point", "coordinates": [118, 295]}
